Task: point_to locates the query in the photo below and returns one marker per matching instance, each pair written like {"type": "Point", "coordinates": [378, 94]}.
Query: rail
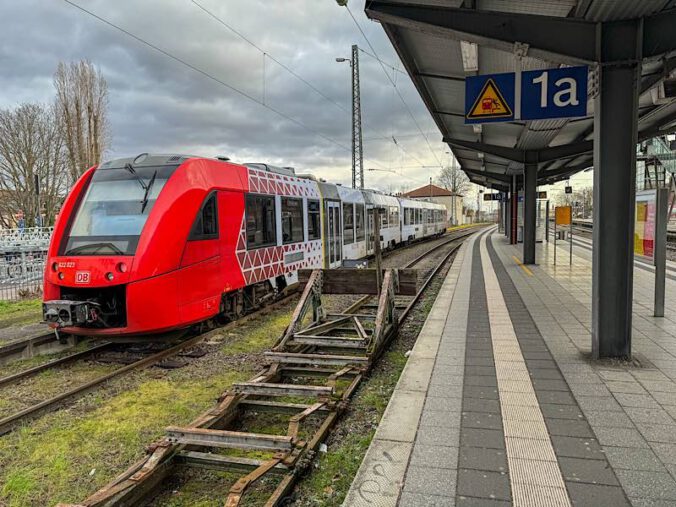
{"type": "Point", "coordinates": [338, 348]}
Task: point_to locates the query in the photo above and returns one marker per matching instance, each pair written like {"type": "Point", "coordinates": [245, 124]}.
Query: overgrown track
{"type": "Point", "coordinates": [340, 349]}
{"type": "Point", "coordinates": [10, 422]}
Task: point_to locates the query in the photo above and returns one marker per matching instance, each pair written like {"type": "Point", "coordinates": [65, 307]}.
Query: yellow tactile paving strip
{"type": "Point", "coordinates": [534, 473]}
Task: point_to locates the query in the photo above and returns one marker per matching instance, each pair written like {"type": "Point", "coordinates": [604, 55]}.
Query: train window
{"type": "Point", "coordinates": [292, 220]}
{"type": "Point", "coordinates": [406, 217]}
{"type": "Point", "coordinates": [313, 224]}
{"type": "Point", "coordinates": [206, 223]}
{"type": "Point", "coordinates": [348, 223]}
{"type": "Point", "coordinates": [394, 216]}
{"type": "Point", "coordinates": [359, 221]}
{"type": "Point", "coordinates": [261, 227]}
{"type": "Point", "coordinates": [383, 217]}
{"type": "Point", "coordinates": [114, 210]}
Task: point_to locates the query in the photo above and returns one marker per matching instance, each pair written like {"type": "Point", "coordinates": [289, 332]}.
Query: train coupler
{"type": "Point", "coordinates": [62, 313]}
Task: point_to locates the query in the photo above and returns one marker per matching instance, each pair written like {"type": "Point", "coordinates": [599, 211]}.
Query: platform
{"type": "Point", "coordinates": [501, 404]}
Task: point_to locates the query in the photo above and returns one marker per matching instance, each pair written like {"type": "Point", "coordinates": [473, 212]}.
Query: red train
{"type": "Point", "coordinates": [160, 242]}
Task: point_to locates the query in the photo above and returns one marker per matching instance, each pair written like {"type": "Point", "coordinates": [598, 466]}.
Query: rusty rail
{"type": "Point", "coordinates": [339, 348]}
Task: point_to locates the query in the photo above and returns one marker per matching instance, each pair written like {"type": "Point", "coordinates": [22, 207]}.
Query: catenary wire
{"type": "Point", "coordinates": [212, 77]}
{"type": "Point", "coordinates": [303, 80]}
{"type": "Point", "coordinates": [408, 109]}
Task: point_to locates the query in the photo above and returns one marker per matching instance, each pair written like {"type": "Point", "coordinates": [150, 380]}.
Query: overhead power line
{"type": "Point", "coordinates": [286, 68]}
{"type": "Point", "coordinates": [301, 78]}
{"type": "Point", "coordinates": [408, 109]}
{"type": "Point", "coordinates": [394, 69]}
{"type": "Point", "coordinates": [212, 77]}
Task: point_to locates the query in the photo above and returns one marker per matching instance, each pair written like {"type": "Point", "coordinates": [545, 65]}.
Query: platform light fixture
{"type": "Point", "coordinates": [470, 56]}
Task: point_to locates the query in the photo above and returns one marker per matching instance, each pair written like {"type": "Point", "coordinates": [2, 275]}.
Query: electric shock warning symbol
{"type": "Point", "coordinates": [489, 104]}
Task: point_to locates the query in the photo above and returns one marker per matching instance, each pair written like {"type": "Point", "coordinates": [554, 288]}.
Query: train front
{"type": "Point", "coordinates": [92, 271]}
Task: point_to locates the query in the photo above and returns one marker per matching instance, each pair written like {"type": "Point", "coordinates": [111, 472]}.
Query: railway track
{"type": "Point", "coordinates": [338, 349]}
{"type": "Point", "coordinates": [8, 423]}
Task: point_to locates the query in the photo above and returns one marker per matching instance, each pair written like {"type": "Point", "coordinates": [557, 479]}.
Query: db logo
{"type": "Point", "coordinates": [82, 276]}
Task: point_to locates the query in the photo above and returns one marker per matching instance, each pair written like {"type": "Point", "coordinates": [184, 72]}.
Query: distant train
{"type": "Point", "coordinates": [160, 242]}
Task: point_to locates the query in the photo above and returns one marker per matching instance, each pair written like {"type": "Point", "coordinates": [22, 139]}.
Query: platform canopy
{"type": "Point", "coordinates": [440, 42]}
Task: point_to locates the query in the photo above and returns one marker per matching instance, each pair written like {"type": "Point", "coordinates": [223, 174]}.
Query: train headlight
{"type": "Point", "coordinates": [121, 267]}
{"type": "Point", "coordinates": [109, 277]}
{"type": "Point", "coordinates": [55, 266]}
{"type": "Point", "coordinates": [61, 275]}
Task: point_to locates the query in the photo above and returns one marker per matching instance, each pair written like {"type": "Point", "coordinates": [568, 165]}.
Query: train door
{"type": "Point", "coordinates": [371, 228]}
{"type": "Point", "coordinates": [334, 254]}
{"type": "Point", "coordinates": [202, 261]}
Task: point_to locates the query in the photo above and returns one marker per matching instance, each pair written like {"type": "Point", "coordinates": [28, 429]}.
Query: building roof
{"type": "Point", "coordinates": [428, 191]}
{"type": "Point", "coordinates": [427, 36]}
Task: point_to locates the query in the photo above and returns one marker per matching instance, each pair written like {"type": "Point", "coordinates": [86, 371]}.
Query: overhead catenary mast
{"type": "Point", "coordinates": [357, 143]}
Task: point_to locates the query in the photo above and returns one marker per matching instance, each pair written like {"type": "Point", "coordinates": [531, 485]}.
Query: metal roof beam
{"type": "Point", "coordinates": [523, 156]}
{"type": "Point", "coordinates": [565, 151]}
{"type": "Point", "coordinates": [491, 149]}
{"type": "Point", "coordinates": [500, 178]}
{"type": "Point", "coordinates": [661, 129]}
{"type": "Point", "coordinates": [667, 68]}
{"type": "Point", "coordinates": [565, 170]}
{"type": "Point", "coordinates": [556, 39]}
{"type": "Point", "coordinates": [659, 36]}
{"type": "Point", "coordinates": [441, 76]}
{"type": "Point", "coordinates": [562, 40]}
{"type": "Point", "coordinates": [450, 113]}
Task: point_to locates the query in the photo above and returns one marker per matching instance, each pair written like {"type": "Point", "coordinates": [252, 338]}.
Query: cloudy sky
{"type": "Point", "coordinates": [160, 105]}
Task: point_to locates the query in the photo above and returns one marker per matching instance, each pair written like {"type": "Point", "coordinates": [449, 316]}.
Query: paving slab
{"type": "Point", "coordinates": [500, 403]}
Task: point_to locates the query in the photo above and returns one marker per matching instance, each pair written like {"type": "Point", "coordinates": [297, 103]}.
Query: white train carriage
{"type": "Point", "coordinates": [434, 218]}
{"type": "Point", "coordinates": [390, 230]}
{"type": "Point", "coordinates": [421, 219]}
{"type": "Point", "coordinates": [411, 212]}
{"type": "Point", "coordinates": [354, 224]}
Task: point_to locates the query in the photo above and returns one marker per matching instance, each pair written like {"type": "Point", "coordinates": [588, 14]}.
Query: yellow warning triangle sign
{"type": "Point", "coordinates": [489, 103]}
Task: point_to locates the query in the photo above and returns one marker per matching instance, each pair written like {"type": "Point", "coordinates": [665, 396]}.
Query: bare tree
{"type": "Point", "coordinates": [81, 102]}
{"type": "Point", "coordinates": [32, 152]}
{"type": "Point", "coordinates": [454, 179]}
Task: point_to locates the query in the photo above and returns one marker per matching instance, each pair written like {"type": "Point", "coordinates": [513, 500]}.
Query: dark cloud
{"type": "Point", "coordinates": [157, 104]}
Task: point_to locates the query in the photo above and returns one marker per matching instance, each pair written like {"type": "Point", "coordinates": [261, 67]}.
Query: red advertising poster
{"type": "Point", "coordinates": [644, 225]}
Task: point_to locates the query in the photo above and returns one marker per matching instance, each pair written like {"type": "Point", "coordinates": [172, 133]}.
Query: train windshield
{"type": "Point", "coordinates": [114, 210]}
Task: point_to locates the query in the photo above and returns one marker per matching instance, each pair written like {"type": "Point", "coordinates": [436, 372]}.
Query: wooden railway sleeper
{"type": "Point", "coordinates": [238, 489]}
{"type": "Point", "coordinates": [294, 422]}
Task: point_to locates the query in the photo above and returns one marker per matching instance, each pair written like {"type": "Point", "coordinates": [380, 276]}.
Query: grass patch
{"type": "Point", "coordinates": [61, 459]}
{"type": "Point", "coordinates": [255, 337]}
{"type": "Point", "coordinates": [51, 460]}
{"type": "Point", "coordinates": [332, 475]}
{"type": "Point", "coordinates": [24, 310]}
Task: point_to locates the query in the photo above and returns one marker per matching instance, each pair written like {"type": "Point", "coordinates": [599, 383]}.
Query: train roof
{"type": "Point", "coordinates": [373, 197]}
{"type": "Point", "coordinates": [148, 159]}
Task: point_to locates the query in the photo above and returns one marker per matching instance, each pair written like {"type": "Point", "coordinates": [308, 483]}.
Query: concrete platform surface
{"type": "Point", "coordinates": [500, 403]}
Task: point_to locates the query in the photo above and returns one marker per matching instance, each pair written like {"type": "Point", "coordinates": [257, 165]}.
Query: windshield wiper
{"type": "Point", "coordinates": [132, 171]}
{"type": "Point", "coordinates": [145, 186]}
{"type": "Point", "coordinates": [144, 202]}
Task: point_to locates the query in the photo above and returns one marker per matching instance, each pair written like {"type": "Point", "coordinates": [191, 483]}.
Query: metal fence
{"type": "Point", "coordinates": [22, 261]}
